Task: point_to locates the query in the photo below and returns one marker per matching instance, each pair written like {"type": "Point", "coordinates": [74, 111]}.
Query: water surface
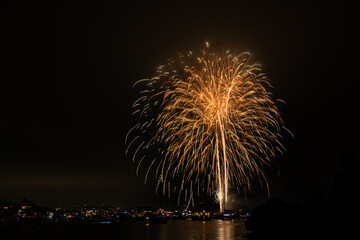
{"type": "Point", "coordinates": [173, 229]}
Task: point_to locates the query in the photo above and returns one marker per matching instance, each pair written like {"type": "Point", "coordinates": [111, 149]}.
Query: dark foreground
{"type": "Point", "coordinates": [173, 229]}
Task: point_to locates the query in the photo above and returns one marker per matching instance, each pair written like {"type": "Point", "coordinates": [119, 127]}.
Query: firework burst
{"type": "Point", "coordinates": [212, 120]}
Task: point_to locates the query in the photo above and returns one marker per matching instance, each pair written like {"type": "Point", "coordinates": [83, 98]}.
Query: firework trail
{"type": "Point", "coordinates": [212, 121]}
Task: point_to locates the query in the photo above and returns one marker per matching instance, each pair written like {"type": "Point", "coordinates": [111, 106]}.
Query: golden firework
{"type": "Point", "coordinates": [213, 119]}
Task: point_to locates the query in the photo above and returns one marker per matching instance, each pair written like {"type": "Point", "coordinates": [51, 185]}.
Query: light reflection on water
{"type": "Point", "coordinates": [197, 230]}
{"type": "Point", "coordinates": [129, 230]}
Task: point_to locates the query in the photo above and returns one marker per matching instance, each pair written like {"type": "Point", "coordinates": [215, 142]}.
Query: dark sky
{"type": "Point", "coordinates": [68, 67]}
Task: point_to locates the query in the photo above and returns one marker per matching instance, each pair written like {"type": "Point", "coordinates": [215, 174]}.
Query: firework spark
{"type": "Point", "coordinates": [212, 120]}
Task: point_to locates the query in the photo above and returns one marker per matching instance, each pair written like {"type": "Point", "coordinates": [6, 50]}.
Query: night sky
{"type": "Point", "coordinates": [68, 67]}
